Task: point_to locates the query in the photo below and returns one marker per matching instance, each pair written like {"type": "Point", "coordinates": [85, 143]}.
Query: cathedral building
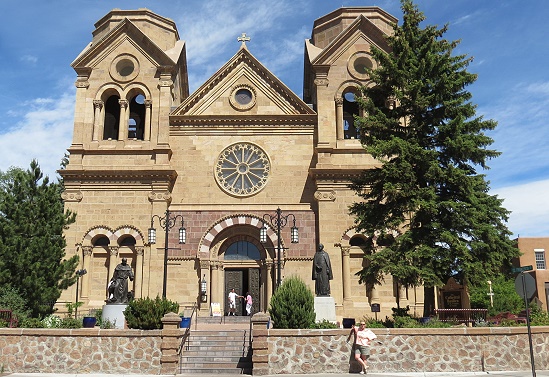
{"type": "Point", "coordinates": [232, 186]}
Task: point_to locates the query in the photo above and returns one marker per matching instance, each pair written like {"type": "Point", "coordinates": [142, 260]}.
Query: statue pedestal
{"type": "Point", "coordinates": [115, 314]}
{"type": "Point", "coordinates": [325, 309]}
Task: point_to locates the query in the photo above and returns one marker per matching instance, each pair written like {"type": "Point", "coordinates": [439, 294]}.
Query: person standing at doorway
{"type": "Point", "coordinates": [232, 302]}
{"type": "Point", "coordinates": [363, 337]}
{"type": "Point", "coordinates": [249, 303]}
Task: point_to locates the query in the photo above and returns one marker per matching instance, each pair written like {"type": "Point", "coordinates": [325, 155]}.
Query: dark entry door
{"type": "Point", "coordinates": [243, 280]}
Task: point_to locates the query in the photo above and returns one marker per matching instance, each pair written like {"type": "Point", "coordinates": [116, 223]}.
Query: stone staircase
{"type": "Point", "coordinates": [217, 345]}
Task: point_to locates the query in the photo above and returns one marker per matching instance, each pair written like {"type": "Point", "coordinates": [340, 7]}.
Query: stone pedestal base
{"type": "Point", "coordinates": [325, 309]}
{"type": "Point", "coordinates": [115, 314]}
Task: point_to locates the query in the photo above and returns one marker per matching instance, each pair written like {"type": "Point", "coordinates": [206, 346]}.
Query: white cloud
{"type": "Point", "coordinates": [29, 59]}
{"type": "Point", "coordinates": [44, 133]}
{"type": "Point", "coordinates": [529, 204]}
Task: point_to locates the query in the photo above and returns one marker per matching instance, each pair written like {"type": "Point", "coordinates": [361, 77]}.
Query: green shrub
{"type": "Point", "coordinates": [538, 317]}
{"type": "Point", "coordinates": [372, 323]}
{"type": "Point", "coordinates": [292, 305]}
{"type": "Point", "coordinates": [70, 323]}
{"type": "Point", "coordinates": [324, 324]}
{"type": "Point", "coordinates": [435, 323]}
{"type": "Point", "coordinates": [32, 323]}
{"type": "Point", "coordinates": [146, 314]}
{"type": "Point", "coordinates": [406, 322]}
{"type": "Point", "coordinates": [11, 299]}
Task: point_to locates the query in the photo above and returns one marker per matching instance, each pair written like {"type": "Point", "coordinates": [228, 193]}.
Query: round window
{"type": "Point", "coordinates": [242, 169]}
{"type": "Point", "coordinates": [124, 68]}
{"type": "Point", "coordinates": [359, 64]}
{"type": "Point", "coordinates": [242, 97]}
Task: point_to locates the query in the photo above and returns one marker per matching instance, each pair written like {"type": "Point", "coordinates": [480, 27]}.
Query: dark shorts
{"type": "Point", "coordinates": [362, 350]}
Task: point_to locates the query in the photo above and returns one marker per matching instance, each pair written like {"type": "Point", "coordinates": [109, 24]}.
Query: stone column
{"type": "Point", "coordinates": [112, 260]}
{"type": "Point", "coordinates": [402, 299]}
{"type": "Point", "coordinates": [346, 271]}
{"type": "Point", "coordinates": [339, 118]}
{"type": "Point", "coordinates": [86, 256]}
{"type": "Point", "coordinates": [214, 284]}
{"type": "Point", "coordinates": [138, 280]}
{"type": "Point", "coordinates": [269, 275]}
{"type": "Point", "coordinates": [147, 124]}
{"type": "Point", "coordinates": [260, 345]}
{"type": "Point", "coordinates": [97, 120]}
{"type": "Point", "coordinates": [171, 339]}
{"type": "Point", "coordinates": [123, 124]}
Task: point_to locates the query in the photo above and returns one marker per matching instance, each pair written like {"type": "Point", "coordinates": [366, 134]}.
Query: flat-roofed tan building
{"type": "Point", "coordinates": [221, 160]}
{"type": "Point", "coordinates": [534, 253]}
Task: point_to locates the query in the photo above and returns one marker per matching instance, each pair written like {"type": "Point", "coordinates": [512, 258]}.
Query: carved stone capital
{"type": "Point", "coordinates": [321, 82]}
{"type": "Point", "coordinates": [113, 250]}
{"type": "Point", "coordinates": [345, 251]}
{"type": "Point", "coordinates": [163, 196]}
{"type": "Point", "coordinates": [339, 101]}
{"type": "Point", "coordinates": [204, 264]}
{"type": "Point", "coordinates": [87, 250]}
{"type": "Point", "coordinates": [325, 195]}
{"type": "Point", "coordinates": [72, 195]}
{"type": "Point", "coordinates": [123, 103]}
{"type": "Point", "coordinates": [97, 104]}
{"type": "Point", "coordinates": [139, 250]}
{"type": "Point", "coordinates": [82, 83]}
{"type": "Point", "coordinates": [148, 103]}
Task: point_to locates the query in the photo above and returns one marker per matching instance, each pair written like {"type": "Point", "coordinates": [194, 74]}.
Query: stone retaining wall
{"type": "Point", "coordinates": [85, 351]}
{"type": "Point", "coordinates": [403, 350]}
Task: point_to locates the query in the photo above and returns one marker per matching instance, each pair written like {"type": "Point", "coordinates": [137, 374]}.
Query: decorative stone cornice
{"type": "Point", "coordinates": [72, 195]}
{"type": "Point", "coordinates": [114, 176]}
{"type": "Point", "coordinates": [325, 195]}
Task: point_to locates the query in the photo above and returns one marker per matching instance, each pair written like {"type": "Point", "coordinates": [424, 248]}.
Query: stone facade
{"type": "Point", "coordinates": [221, 160]}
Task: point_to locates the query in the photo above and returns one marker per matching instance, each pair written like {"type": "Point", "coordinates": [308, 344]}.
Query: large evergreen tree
{"type": "Point", "coordinates": [32, 246]}
{"type": "Point", "coordinates": [426, 208]}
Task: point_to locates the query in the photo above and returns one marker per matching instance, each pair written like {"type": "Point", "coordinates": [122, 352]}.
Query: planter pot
{"type": "Point", "coordinates": [89, 322]}
{"type": "Point", "coordinates": [185, 322]}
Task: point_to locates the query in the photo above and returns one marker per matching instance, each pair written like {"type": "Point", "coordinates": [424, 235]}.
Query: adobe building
{"type": "Point", "coordinates": [534, 253]}
{"type": "Point", "coordinates": [222, 161]}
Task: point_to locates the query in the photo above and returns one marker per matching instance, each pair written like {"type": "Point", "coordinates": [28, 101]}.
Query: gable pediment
{"type": "Point", "coordinates": [362, 30]}
{"type": "Point", "coordinates": [127, 35]}
{"type": "Point", "coordinates": [243, 73]}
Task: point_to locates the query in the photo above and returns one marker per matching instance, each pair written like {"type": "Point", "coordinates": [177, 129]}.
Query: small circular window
{"type": "Point", "coordinates": [242, 97]}
{"type": "Point", "coordinates": [124, 68]}
{"type": "Point", "coordinates": [359, 64]}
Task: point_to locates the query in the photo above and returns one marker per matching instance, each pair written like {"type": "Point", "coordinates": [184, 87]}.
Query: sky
{"type": "Point", "coordinates": [508, 40]}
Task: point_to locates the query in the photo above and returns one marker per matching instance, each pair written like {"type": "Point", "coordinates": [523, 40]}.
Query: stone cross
{"type": "Point", "coordinates": [243, 38]}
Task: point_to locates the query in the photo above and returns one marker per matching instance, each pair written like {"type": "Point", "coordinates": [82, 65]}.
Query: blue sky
{"type": "Point", "coordinates": [508, 40]}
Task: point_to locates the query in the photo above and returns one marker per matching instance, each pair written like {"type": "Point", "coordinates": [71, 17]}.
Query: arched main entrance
{"type": "Point", "coordinates": [242, 272]}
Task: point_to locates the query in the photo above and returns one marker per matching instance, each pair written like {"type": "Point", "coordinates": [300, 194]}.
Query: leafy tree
{"type": "Point", "coordinates": [292, 305]}
{"type": "Point", "coordinates": [426, 207]}
{"type": "Point", "coordinates": [32, 246]}
{"type": "Point", "coordinates": [505, 296]}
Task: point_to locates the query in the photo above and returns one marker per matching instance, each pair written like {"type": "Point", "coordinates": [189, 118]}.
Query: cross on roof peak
{"type": "Point", "coordinates": [243, 38]}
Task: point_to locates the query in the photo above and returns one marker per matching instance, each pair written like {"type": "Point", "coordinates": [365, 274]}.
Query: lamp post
{"type": "Point", "coordinates": [279, 222]}
{"type": "Point", "coordinates": [203, 289]}
{"type": "Point", "coordinates": [166, 223]}
{"type": "Point", "coordinates": [79, 274]}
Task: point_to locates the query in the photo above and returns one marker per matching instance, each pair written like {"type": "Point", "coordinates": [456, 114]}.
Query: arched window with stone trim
{"type": "Point", "coordinates": [111, 123]}
{"type": "Point", "coordinates": [350, 111]}
{"type": "Point", "coordinates": [136, 122]}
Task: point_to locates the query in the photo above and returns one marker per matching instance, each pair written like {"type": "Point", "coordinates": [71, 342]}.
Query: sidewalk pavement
{"type": "Point", "coordinates": [543, 373]}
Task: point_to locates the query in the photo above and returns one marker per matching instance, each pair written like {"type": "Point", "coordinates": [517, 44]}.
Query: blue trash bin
{"type": "Point", "coordinates": [185, 322]}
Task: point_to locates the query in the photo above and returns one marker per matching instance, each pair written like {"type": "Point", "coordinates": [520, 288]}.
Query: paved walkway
{"type": "Point", "coordinates": [414, 374]}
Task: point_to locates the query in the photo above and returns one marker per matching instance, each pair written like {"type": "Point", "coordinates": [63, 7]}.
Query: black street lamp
{"type": "Point", "coordinates": [166, 223]}
{"type": "Point", "coordinates": [279, 222]}
{"type": "Point", "coordinates": [79, 274]}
